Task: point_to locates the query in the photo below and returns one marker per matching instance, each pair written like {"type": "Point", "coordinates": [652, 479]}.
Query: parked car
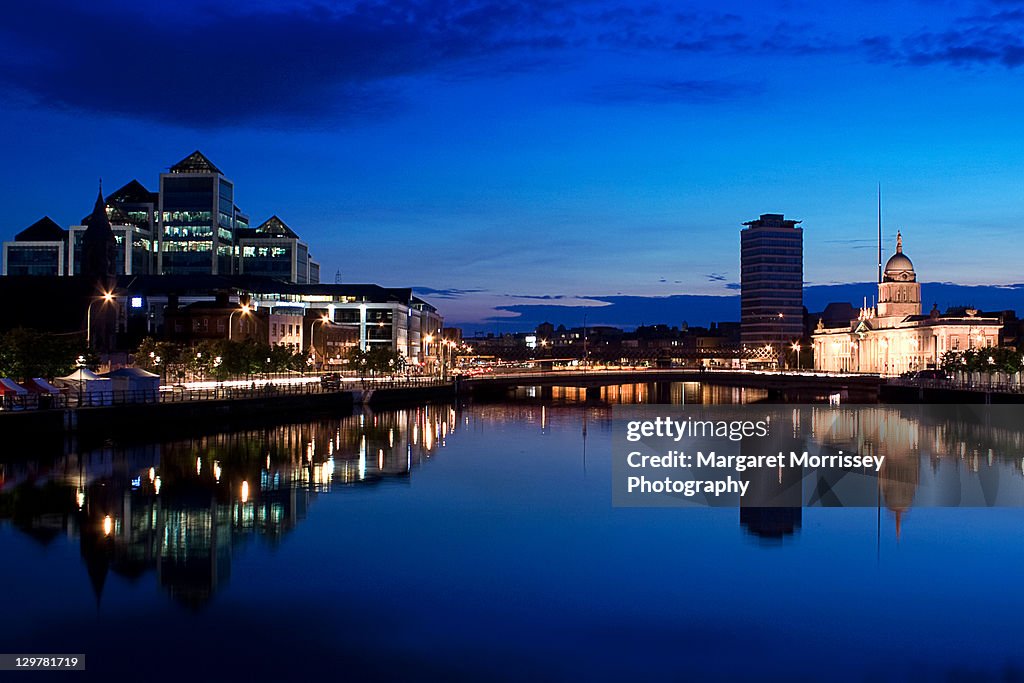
{"type": "Point", "coordinates": [933, 375]}
{"type": "Point", "coordinates": [331, 381]}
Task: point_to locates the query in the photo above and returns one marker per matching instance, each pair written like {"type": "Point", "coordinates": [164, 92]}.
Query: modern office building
{"type": "Point", "coordinates": [274, 250]}
{"type": "Point", "coordinates": [192, 308]}
{"type": "Point", "coordinates": [131, 212]}
{"type": "Point", "coordinates": [197, 219]}
{"type": "Point", "coordinates": [39, 249]}
{"type": "Point", "coordinates": [771, 279]}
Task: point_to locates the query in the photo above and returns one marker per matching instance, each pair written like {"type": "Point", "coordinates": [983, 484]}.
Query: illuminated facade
{"type": "Point", "coordinates": [132, 213]}
{"type": "Point", "coordinates": [771, 282]}
{"type": "Point", "coordinates": [197, 219]}
{"type": "Point", "coordinates": [274, 250]}
{"type": "Point", "coordinates": [894, 337]}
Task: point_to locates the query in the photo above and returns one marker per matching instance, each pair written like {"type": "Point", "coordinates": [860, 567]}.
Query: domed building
{"type": "Point", "coordinates": [894, 337]}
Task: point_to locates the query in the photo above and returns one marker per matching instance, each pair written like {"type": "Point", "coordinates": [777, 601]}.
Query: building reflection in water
{"type": "Point", "coordinates": [675, 393]}
{"type": "Point", "coordinates": [180, 508]}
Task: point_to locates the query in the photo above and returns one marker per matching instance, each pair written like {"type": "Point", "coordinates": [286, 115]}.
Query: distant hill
{"type": "Point", "coordinates": [630, 311]}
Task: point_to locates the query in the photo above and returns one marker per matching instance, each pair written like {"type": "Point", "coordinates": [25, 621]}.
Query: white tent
{"type": "Point", "coordinates": [134, 384]}
{"type": "Point", "coordinates": [92, 389]}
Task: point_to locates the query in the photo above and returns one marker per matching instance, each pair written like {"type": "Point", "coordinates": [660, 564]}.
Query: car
{"type": "Point", "coordinates": [933, 375]}
{"type": "Point", "coordinates": [331, 381]}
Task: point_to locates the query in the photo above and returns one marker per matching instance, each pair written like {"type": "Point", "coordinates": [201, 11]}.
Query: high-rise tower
{"type": "Point", "coordinates": [771, 276]}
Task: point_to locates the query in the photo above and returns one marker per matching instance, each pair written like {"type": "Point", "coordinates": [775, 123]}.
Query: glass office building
{"type": "Point", "coordinates": [274, 250]}
{"type": "Point", "coordinates": [197, 219]}
{"type": "Point", "coordinates": [132, 212]}
{"type": "Point", "coordinates": [39, 249]}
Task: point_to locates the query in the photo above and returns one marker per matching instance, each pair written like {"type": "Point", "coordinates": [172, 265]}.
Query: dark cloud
{"type": "Point", "coordinates": [629, 311]}
{"type": "Point", "coordinates": [715, 277]}
{"type": "Point", "coordinates": [983, 39]}
{"type": "Point", "coordinates": [540, 297]}
{"type": "Point", "coordinates": [312, 63]}
{"type": "Point", "coordinates": [321, 63]}
{"type": "Point", "coordinates": [449, 293]}
{"type": "Point", "coordinates": [853, 243]}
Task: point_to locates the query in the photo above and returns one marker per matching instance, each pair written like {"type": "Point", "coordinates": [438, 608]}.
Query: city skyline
{"type": "Point", "coordinates": [566, 151]}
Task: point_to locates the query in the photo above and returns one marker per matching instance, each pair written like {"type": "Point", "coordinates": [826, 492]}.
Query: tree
{"type": "Point", "coordinates": [383, 360]}
{"type": "Point", "coordinates": [28, 353]}
{"type": "Point", "coordinates": [358, 360]}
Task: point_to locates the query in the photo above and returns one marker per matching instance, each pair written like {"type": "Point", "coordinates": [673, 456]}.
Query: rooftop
{"type": "Point", "coordinates": [43, 230]}
{"type": "Point", "coordinates": [196, 162]}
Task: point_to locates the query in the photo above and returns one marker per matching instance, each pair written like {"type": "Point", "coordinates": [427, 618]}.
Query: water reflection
{"type": "Point", "coordinates": [179, 508]}
{"type": "Point", "coordinates": [934, 455]}
{"type": "Point", "coordinates": [675, 393]}
{"type": "Point", "coordinates": [182, 509]}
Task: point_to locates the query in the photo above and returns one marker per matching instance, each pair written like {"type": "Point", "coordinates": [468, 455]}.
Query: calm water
{"type": "Point", "coordinates": [479, 543]}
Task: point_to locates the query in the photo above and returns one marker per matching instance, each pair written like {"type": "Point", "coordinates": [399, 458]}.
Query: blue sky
{"type": "Point", "coordinates": [498, 152]}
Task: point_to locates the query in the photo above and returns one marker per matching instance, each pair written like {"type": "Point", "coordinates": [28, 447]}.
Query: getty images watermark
{"type": "Point", "coordinates": [817, 455]}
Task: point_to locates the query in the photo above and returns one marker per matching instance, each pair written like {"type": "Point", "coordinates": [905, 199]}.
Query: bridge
{"type": "Point", "coordinates": [785, 385]}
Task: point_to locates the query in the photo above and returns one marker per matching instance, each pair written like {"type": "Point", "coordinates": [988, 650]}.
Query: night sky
{"type": "Point", "coordinates": [507, 153]}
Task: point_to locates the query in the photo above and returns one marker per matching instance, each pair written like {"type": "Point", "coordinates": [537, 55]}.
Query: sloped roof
{"type": "Point", "coordinates": [115, 216]}
{"type": "Point", "coordinates": [98, 222]}
{"type": "Point", "coordinates": [275, 227]}
{"type": "Point", "coordinates": [196, 162]}
{"type": "Point", "coordinates": [43, 230]}
{"type": "Point", "coordinates": [133, 373]}
{"type": "Point", "coordinates": [132, 193]}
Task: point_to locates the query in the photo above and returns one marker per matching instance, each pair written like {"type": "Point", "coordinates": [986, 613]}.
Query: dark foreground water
{"type": "Point", "coordinates": [479, 543]}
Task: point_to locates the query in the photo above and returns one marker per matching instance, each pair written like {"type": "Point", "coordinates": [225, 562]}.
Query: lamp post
{"type": "Point", "coordinates": [796, 347]}
{"type": "Point", "coordinates": [243, 310]}
{"type": "Point", "coordinates": [323, 319]}
{"type": "Point", "coordinates": [427, 338]}
{"type": "Point", "coordinates": [782, 345]}
{"type": "Point", "coordinates": [106, 299]}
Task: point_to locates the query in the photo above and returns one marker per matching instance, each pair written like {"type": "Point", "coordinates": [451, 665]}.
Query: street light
{"type": "Point", "coordinates": [106, 299]}
{"type": "Point", "coordinates": [796, 347]}
{"type": "Point", "coordinates": [243, 310]}
{"type": "Point", "coordinates": [427, 338]}
{"type": "Point", "coordinates": [323, 319]}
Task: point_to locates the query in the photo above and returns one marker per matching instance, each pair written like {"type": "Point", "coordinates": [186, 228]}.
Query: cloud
{"type": "Point", "coordinates": [986, 39]}
{"type": "Point", "coordinates": [212, 67]}
{"type": "Point", "coordinates": [715, 277]}
{"type": "Point", "coordinates": [449, 293]}
{"type": "Point", "coordinates": [853, 243]}
{"type": "Point", "coordinates": [318, 64]}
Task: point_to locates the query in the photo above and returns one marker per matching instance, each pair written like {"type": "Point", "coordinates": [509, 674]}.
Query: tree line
{"type": "Point", "coordinates": [220, 359]}
{"type": "Point", "coordinates": [26, 353]}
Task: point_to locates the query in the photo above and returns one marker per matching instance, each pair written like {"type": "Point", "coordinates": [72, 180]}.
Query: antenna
{"type": "Point", "coordinates": [879, 232]}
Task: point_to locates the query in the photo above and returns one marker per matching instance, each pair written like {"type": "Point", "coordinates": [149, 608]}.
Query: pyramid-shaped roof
{"type": "Point", "coordinates": [115, 216]}
{"type": "Point", "coordinates": [196, 162]}
{"type": "Point", "coordinates": [132, 193]}
{"type": "Point", "coordinates": [275, 227]}
{"type": "Point", "coordinates": [43, 230]}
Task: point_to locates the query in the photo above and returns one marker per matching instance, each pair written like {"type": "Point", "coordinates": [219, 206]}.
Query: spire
{"type": "Point", "coordinates": [899, 242]}
{"type": "Point", "coordinates": [879, 232]}
{"type": "Point", "coordinates": [99, 255]}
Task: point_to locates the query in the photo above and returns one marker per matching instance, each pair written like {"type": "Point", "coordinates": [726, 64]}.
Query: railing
{"type": "Point", "coordinates": [235, 390]}
{"type": "Point", "coordinates": [988, 385]}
